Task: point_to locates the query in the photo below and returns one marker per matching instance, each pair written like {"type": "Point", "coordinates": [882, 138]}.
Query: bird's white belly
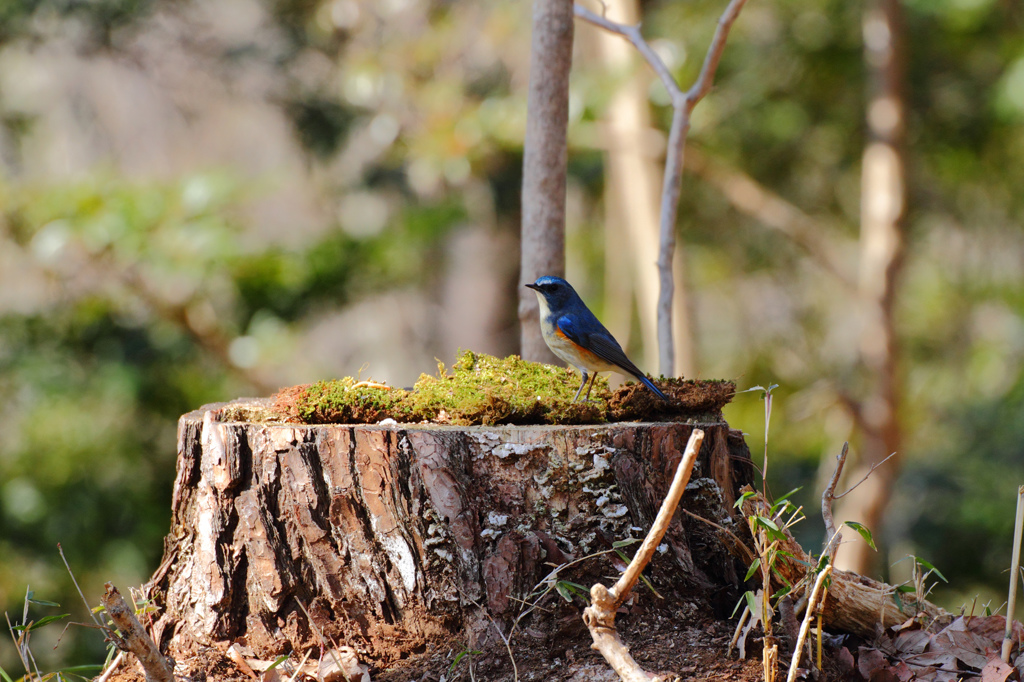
{"type": "Point", "coordinates": [565, 349]}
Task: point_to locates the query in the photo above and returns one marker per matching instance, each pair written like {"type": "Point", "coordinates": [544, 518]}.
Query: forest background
{"type": "Point", "coordinates": [207, 200]}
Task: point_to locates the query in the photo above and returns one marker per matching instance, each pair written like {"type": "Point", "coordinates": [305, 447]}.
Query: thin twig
{"type": "Point", "coordinates": [767, 424]}
{"type": "Point", "coordinates": [633, 35]}
{"type": "Point", "coordinates": [806, 624]}
{"type": "Point", "coordinates": [714, 54]}
{"type": "Point", "coordinates": [870, 471]}
{"type": "Point", "coordinates": [17, 645]}
{"type": "Point", "coordinates": [298, 668]}
{"type": "Point", "coordinates": [507, 641]}
{"type": "Point", "coordinates": [111, 668]}
{"type": "Point", "coordinates": [550, 580]}
{"type": "Point", "coordinates": [682, 105]}
{"type": "Point", "coordinates": [1011, 602]}
{"type": "Point", "coordinates": [827, 498]}
{"type": "Point", "coordinates": [333, 650]}
{"type": "Point", "coordinates": [80, 594]}
{"type": "Point", "coordinates": [739, 629]}
{"type": "Point", "coordinates": [738, 545]}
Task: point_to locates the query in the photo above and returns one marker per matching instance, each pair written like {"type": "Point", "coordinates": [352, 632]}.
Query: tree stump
{"type": "Point", "coordinates": [396, 537]}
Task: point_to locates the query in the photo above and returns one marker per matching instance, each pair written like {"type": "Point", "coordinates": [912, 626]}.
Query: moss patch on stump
{"type": "Point", "coordinates": [484, 390]}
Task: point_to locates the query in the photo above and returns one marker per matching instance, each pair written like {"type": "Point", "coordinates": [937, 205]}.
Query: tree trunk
{"type": "Point", "coordinates": [545, 162]}
{"type": "Point", "coordinates": [394, 538]}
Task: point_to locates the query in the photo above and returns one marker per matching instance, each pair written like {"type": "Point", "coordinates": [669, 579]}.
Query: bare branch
{"type": "Point", "coordinates": [112, 668]}
{"type": "Point", "coordinates": [632, 34]}
{"type": "Point", "coordinates": [728, 538]}
{"type": "Point", "coordinates": [74, 580]}
{"type": "Point", "coordinates": [707, 72]}
{"type": "Point", "coordinates": [870, 471]}
{"type": "Point", "coordinates": [668, 508]}
{"type": "Point", "coordinates": [832, 535]}
{"type": "Point", "coordinates": [682, 104]}
{"type": "Point", "coordinates": [670, 191]}
{"type": "Point", "coordinates": [828, 497]}
{"type": "Point", "coordinates": [133, 638]}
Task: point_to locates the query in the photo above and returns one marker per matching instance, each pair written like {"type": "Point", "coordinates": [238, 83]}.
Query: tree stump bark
{"type": "Point", "coordinates": [395, 537]}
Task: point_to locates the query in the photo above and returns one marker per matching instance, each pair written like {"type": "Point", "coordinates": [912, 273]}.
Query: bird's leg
{"type": "Point", "coordinates": [582, 384]}
{"type": "Point", "coordinates": [589, 388]}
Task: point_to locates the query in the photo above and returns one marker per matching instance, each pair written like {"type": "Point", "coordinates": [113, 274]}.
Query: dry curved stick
{"type": "Point", "coordinates": [812, 606]}
{"type": "Point", "coordinates": [600, 615]}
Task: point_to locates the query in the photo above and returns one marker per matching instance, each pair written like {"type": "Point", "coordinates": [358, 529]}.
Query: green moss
{"type": "Point", "coordinates": [348, 401]}
{"type": "Point", "coordinates": [482, 389]}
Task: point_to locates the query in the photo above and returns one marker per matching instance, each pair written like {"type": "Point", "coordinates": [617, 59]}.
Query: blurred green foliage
{"type": "Point", "coordinates": [94, 378]}
{"type": "Point", "coordinates": [138, 291]}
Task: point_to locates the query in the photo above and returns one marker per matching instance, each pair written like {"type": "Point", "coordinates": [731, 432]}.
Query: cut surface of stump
{"type": "Point", "coordinates": [399, 538]}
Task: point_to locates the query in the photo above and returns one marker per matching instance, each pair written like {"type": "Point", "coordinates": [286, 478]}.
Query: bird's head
{"type": "Point", "coordinates": [554, 291]}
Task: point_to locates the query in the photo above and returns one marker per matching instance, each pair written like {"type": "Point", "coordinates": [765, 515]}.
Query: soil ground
{"type": "Point", "coordinates": [682, 639]}
{"type": "Point", "coordinates": [693, 646]}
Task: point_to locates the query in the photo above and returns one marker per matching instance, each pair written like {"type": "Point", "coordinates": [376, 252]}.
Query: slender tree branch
{"type": "Point", "coordinates": [112, 668]}
{"type": "Point", "coordinates": [682, 104]}
{"type": "Point", "coordinates": [670, 191]}
{"type": "Point", "coordinates": [1011, 600]}
{"type": "Point", "coordinates": [668, 508]}
{"type": "Point", "coordinates": [714, 54]}
{"type": "Point", "coordinates": [633, 35]}
{"type": "Point", "coordinates": [827, 498]}
{"type": "Point", "coordinates": [832, 534]}
{"type": "Point", "coordinates": [865, 477]}
{"type": "Point", "coordinates": [133, 638]}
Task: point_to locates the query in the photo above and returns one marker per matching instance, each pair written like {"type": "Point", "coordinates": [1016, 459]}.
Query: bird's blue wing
{"type": "Point", "coordinates": [594, 337]}
{"type": "Point", "coordinates": [599, 341]}
{"type": "Point", "coordinates": [572, 330]}
{"type": "Point", "coordinates": [609, 350]}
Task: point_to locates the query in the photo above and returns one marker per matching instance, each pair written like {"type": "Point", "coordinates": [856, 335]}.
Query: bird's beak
{"type": "Point", "coordinates": [533, 286]}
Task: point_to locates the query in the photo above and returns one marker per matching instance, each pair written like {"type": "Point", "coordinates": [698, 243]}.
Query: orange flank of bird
{"type": "Point", "coordinates": [587, 356]}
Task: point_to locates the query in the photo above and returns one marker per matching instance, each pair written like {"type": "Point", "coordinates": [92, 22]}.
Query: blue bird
{"type": "Point", "coordinates": [574, 334]}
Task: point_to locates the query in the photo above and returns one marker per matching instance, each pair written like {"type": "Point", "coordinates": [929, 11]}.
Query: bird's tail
{"type": "Point", "coordinates": [650, 384]}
